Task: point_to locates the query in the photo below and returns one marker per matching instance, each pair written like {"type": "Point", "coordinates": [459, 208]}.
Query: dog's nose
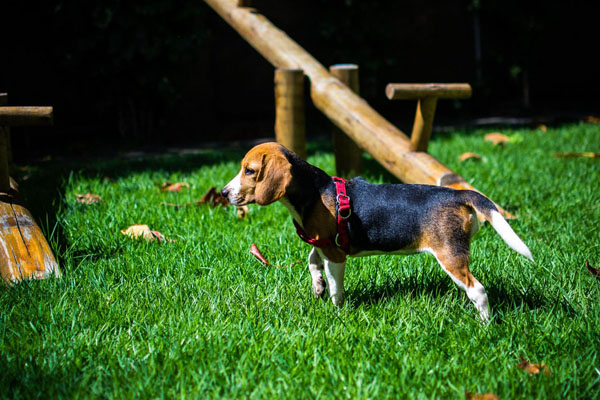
{"type": "Point", "coordinates": [224, 192]}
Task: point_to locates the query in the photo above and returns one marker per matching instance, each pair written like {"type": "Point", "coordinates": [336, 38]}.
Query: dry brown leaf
{"type": "Point", "coordinates": [214, 198]}
{"type": "Point", "coordinates": [88, 198]}
{"type": "Point", "coordinates": [577, 155]}
{"type": "Point", "coordinates": [496, 138]}
{"type": "Point", "coordinates": [256, 253]}
{"type": "Point", "coordinates": [593, 271]}
{"type": "Point", "coordinates": [592, 118]}
{"type": "Point", "coordinates": [144, 232]}
{"type": "Point", "coordinates": [173, 187]}
{"type": "Point", "coordinates": [477, 396]}
{"type": "Point", "coordinates": [242, 211]}
{"type": "Point", "coordinates": [533, 368]}
{"type": "Point", "coordinates": [469, 156]}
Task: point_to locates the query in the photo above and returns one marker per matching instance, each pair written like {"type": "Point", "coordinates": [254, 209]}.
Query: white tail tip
{"type": "Point", "coordinates": [509, 236]}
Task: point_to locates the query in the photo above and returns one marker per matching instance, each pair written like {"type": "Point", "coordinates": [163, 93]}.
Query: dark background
{"type": "Point", "coordinates": [157, 72]}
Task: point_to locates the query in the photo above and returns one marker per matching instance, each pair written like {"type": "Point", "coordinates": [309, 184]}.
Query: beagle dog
{"type": "Point", "coordinates": [382, 219]}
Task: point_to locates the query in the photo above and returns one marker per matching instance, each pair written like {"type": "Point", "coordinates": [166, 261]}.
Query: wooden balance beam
{"type": "Point", "coordinates": [426, 95]}
{"type": "Point", "coordinates": [24, 251]}
{"type": "Point", "coordinates": [347, 110]}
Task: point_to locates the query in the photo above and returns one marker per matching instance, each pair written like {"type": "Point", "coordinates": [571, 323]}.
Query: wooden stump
{"type": "Point", "coordinates": [289, 110]}
{"type": "Point", "coordinates": [348, 156]}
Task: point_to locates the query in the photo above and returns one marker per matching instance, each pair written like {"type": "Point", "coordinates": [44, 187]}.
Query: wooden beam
{"type": "Point", "coordinates": [26, 116]}
{"type": "Point", "coordinates": [411, 91]}
{"type": "Point", "coordinates": [289, 110]}
{"type": "Point", "coordinates": [369, 130]}
{"type": "Point", "coordinates": [423, 124]}
{"type": "Point", "coordinates": [348, 156]}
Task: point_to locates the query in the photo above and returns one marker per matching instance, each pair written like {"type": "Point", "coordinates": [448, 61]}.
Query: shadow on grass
{"type": "Point", "coordinates": [43, 185]}
{"type": "Point", "coordinates": [501, 297]}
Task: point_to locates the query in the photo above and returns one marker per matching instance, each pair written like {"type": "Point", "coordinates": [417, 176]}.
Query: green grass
{"type": "Point", "coordinates": [201, 317]}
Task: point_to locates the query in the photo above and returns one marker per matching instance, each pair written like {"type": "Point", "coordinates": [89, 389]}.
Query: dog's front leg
{"type": "Point", "coordinates": [335, 280]}
{"type": "Point", "coordinates": [315, 266]}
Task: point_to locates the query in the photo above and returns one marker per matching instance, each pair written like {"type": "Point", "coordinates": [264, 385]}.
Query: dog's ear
{"type": "Point", "coordinates": [273, 179]}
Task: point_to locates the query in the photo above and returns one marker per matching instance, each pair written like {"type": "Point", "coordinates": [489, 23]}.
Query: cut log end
{"type": "Point", "coordinates": [24, 251]}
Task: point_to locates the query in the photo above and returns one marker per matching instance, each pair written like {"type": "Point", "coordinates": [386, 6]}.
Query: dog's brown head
{"type": "Point", "coordinates": [263, 177]}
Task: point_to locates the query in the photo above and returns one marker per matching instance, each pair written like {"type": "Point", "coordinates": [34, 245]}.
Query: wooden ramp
{"type": "Point", "coordinates": [346, 109]}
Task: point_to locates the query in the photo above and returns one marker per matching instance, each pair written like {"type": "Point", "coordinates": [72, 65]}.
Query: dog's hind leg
{"type": "Point", "coordinates": [335, 280]}
{"type": "Point", "coordinates": [457, 266]}
{"type": "Point", "coordinates": [315, 266]}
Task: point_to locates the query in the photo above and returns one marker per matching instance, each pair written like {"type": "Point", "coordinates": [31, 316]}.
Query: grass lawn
{"type": "Point", "coordinates": [201, 317]}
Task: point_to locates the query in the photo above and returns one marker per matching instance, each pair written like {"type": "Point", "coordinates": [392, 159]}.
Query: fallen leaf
{"type": "Point", "coordinates": [592, 118]}
{"type": "Point", "coordinates": [577, 155]}
{"type": "Point", "coordinates": [214, 198]}
{"type": "Point", "coordinates": [144, 231]}
{"type": "Point", "coordinates": [173, 187]}
{"type": "Point", "coordinates": [469, 156]}
{"type": "Point", "coordinates": [256, 253]}
{"type": "Point", "coordinates": [477, 396]}
{"type": "Point", "coordinates": [242, 211]}
{"type": "Point", "coordinates": [496, 138]}
{"type": "Point", "coordinates": [533, 368]}
{"type": "Point", "coordinates": [88, 198]}
{"type": "Point", "coordinates": [593, 271]}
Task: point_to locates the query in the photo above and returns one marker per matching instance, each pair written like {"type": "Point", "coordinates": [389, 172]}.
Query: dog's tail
{"type": "Point", "coordinates": [487, 211]}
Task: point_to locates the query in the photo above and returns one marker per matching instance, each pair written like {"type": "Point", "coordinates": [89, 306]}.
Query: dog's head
{"type": "Point", "coordinates": [263, 178]}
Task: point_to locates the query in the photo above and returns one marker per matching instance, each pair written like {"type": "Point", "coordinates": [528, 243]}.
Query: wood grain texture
{"type": "Point", "coordinates": [348, 156]}
{"type": "Point", "coordinates": [24, 251]}
{"type": "Point", "coordinates": [289, 110]}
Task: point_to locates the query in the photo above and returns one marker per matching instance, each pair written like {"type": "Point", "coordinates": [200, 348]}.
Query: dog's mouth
{"type": "Point", "coordinates": [238, 201]}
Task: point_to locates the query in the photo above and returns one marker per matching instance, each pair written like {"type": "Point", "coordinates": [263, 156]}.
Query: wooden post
{"type": "Point", "coordinates": [419, 138]}
{"type": "Point", "coordinates": [24, 251]}
{"type": "Point", "coordinates": [289, 110]}
{"type": "Point", "coordinates": [348, 156]}
{"type": "Point", "coordinates": [352, 114]}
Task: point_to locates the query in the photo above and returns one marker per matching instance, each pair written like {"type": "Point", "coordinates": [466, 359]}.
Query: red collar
{"type": "Point", "coordinates": [343, 211]}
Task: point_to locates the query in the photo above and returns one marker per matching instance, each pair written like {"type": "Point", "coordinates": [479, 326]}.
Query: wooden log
{"type": "Point", "coordinates": [26, 116]}
{"type": "Point", "coordinates": [421, 133]}
{"type": "Point", "coordinates": [411, 91]}
{"type": "Point", "coordinates": [348, 156]}
{"type": "Point", "coordinates": [369, 130]}
{"type": "Point", "coordinates": [24, 251]}
{"type": "Point", "coordinates": [289, 110]}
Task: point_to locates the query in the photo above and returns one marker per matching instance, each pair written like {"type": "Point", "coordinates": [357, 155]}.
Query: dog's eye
{"type": "Point", "coordinates": [249, 171]}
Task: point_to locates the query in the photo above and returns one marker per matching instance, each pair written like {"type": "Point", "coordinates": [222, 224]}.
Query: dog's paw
{"type": "Point", "coordinates": [319, 288]}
